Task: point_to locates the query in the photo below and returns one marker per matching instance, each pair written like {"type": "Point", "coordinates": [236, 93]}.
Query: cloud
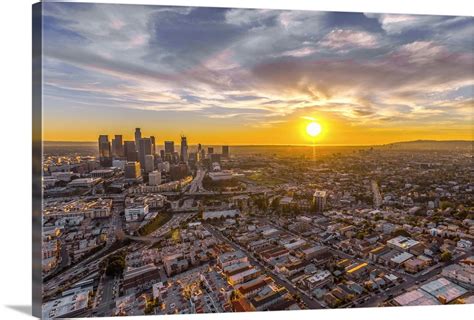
{"type": "Point", "coordinates": [260, 65]}
{"type": "Point", "coordinates": [339, 39]}
{"type": "Point", "coordinates": [302, 52]}
{"type": "Point", "coordinates": [398, 23]}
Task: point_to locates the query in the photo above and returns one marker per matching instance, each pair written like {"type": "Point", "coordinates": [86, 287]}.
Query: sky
{"type": "Point", "coordinates": [238, 76]}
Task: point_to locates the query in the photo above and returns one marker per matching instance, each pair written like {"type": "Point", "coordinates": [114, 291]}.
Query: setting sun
{"type": "Point", "coordinates": [313, 129]}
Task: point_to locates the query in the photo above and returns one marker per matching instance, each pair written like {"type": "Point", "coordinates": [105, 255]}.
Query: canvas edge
{"type": "Point", "coordinates": [37, 146]}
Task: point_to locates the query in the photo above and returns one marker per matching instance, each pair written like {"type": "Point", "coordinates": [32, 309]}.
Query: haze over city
{"type": "Point", "coordinates": [255, 76]}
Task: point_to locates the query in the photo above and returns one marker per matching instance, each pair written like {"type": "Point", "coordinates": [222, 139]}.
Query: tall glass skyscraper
{"type": "Point", "coordinates": [105, 156]}
{"type": "Point", "coordinates": [184, 149]}
{"type": "Point", "coordinates": [138, 136]}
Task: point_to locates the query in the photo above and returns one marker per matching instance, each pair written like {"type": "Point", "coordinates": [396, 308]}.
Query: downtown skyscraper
{"type": "Point", "coordinates": [144, 149]}
{"type": "Point", "coordinates": [138, 136]}
{"type": "Point", "coordinates": [105, 156]}
{"type": "Point", "coordinates": [117, 146]}
{"type": "Point", "coordinates": [184, 149]}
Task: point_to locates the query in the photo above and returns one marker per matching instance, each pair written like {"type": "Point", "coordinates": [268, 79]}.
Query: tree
{"type": "Point", "coordinates": [360, 235]}
{"type": "Point", "coordinates": [234, 295]}
{"type": "Point", "coordinates": [115, 264]}
{"type": "Point", "coordinates": [378, 217]}
{"type": "Point", "coordinates": [446, 204]}
{"type": "Point", "coordinates": [446, 256]}
{"type": "Point", "coordinates": [151, 305]}
{"type": "Point", "coordinates": [275, 203]}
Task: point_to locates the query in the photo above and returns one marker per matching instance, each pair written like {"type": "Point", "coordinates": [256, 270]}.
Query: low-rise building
{"type": "Point", "coordinates": [318, 280]}
{"type": "Point", "coordinates": [231, 257]}
{"type": "Point", "coordinates": [266, 299]}
{"type": "Point", "coordinates": [443, 290]}
{"type": "Point", "coordinates": [134, 277]}
{"type": "Point", "coordinates": [136, 212]}
{"type": "Point", "coordinates": [459, 273]}
{"type": "Point", "coordinates": [402, 243]}
{"type": "Point", "coordinates": [414, 265]}
{"type": "Point", "coordinates": [244, 276]}
{"type": "Point", "coordinates": [206, 215]}
{"type": "Point", "coordinates": [67, 306]}
{"type": "Point", "coordinates": [464, 244]}
{"type": "Point", "coordinates": [416, 297]}
{"type": "Point", "coordinates": [175, 263]}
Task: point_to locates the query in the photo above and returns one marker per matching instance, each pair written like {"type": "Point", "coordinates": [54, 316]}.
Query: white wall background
{"type": "Point", "coordinates": [15, 152]}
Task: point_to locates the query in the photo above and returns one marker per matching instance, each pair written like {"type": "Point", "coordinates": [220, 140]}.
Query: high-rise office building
{"type": "Point", "coordinates": [193, 159]}
{"type": "Point", "coordinates": [153, 145]}
{"type": "Point", "coordinates": [169, 147]}
{"type": "Point", "coordinates": [117, 146]}
{"type": "Point", "coordinates": [132, 170]}
{"type": "Point", "coordinates": [149, 163]}
{"type": "Point", "coordinates": [210, 150]}
{"type": "Point", "coordinates": [154, 178]}
{"type": "Point", "coordinates": [164, 166]}
{"type": "Point", "coordinates": [120, 164]}
{"type": "Point", "coordinates": [130, 151]}
{"type": "Point", "coordinates": [225, 151]}
{"type": "Point", "coordinates": [103, 141]}
{"type": "Point", "coordinates": [144, 149]}
{"type": "Point", "coordinates": [184, 149]}
{"type": "Point", "coordinates": [138, 136]}
{"type": "Point", "coordinates": [319, 200]}
{"type": "Point", "coordinates": [175, 157]}
{"type": "Point", "coordinates": [105, 155]}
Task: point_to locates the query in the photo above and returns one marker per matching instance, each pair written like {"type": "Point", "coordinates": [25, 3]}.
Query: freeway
{"type": "Point", "coordinates": [312, 304]}
{"type": "Point", "coordinates": [196, 184]}
{"type": "Point", "coordinates": [89, 263]}
{"type": "Point", "coordinates": [214, 193]}
{"type": "Point", "coordinates": [161, 232]}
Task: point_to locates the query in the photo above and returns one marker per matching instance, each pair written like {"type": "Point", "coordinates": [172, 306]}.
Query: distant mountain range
{"type": "Point", "coordinates": [432, 145]}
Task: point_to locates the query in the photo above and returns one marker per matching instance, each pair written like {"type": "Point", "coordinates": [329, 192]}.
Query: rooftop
{"type": "Point", "coordinates": [402, 257]}
{"type": "Point", "coordinates": [402, 242]}
{"type": "Point", "coordinates": [442, 288]}
{"type": "Point", "coordinates": [416, 297]}
{"type": "Point", "coordinates": [66, 305]}
{"type": "Point", "coordinates": [358, 267]}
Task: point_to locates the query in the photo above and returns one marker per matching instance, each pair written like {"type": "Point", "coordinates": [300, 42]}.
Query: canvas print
{"type": "Point", "coordinates": [208, 160]}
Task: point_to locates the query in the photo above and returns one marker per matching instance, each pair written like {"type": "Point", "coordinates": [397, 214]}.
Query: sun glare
{"type": "Point", "coordinates": [313, 129]}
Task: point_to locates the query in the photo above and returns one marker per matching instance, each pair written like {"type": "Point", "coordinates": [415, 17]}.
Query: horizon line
{"type": "Point", "coordinates": [292, 145]}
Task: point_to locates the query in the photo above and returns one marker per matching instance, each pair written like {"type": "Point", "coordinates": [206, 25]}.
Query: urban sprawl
{"type": "Point", "coordinates": [152, 228]}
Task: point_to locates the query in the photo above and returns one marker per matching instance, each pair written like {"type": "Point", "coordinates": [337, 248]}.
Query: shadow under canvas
{"type": "Point", "coordinates": [22, 309]}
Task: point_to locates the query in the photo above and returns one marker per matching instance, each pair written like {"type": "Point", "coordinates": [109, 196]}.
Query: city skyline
{"type": "Point", "coordinates": [161, 142]}
{"type": "Point", "coordinates": [367, 78]}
